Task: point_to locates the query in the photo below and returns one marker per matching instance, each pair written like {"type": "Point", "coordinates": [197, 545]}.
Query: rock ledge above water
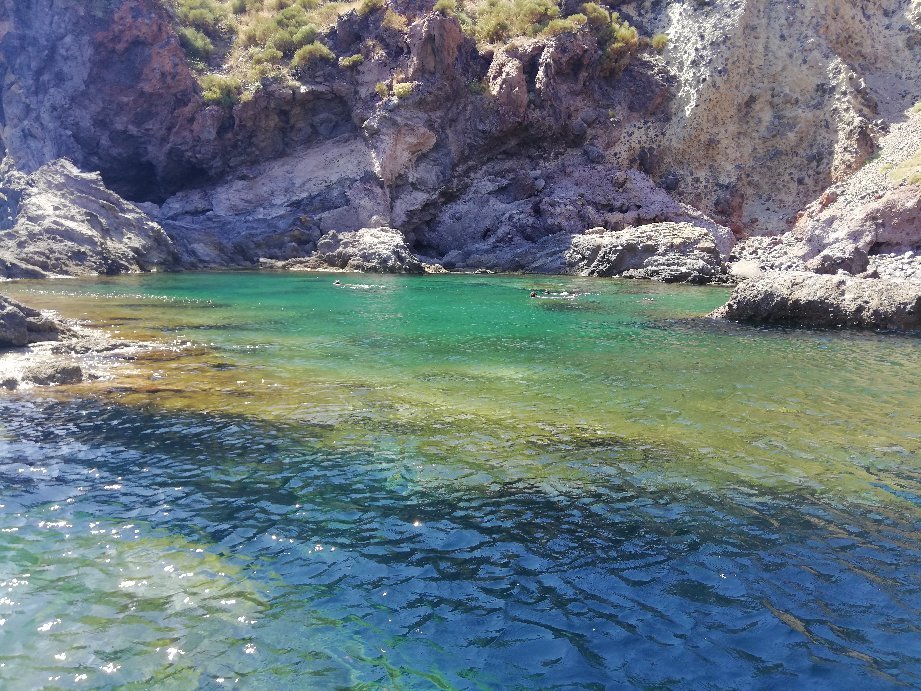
{"type": "Point", "coordinates": [806, 299]}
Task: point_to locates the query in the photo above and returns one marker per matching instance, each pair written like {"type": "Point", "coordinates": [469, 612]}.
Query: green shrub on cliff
{"type": "Point", "coordinates": [217, 89]}
{"type": "Point", "coordinates": [249, 36]}
{"type": "Point", "coordinates": [255, 39]}
{"type": "Point", "coordinates": [500, 21]}
{"type": "Point", "coordinates": [286, 31]}
{"type": "Point", "coordinates": [267, 56]}
{"type": "Point", "coordinates": [207, 16]}
{"type": "Point", "coordinates": [368, 6]}
{"type": "Point", "coordinates": [617, 39]}
{"type": "Point", "coordinates": [446, 7]}
{"type": "Point", "coordinates": [403, 89]}
{"type": "Point", "coordinates": [573, 22]}
{"type": "Point", "coordinates": [312, 53]}
{"type": "Point", "coordinates": [195, 43]}
{"type": "Point", "coordinates": [659, 42]}
{"type": "Point", "coordinates": [395, 21]}
{"type": "Point", "coordinates": [497, 21]}
{"type": "Point", "coordinates": [351, 61]}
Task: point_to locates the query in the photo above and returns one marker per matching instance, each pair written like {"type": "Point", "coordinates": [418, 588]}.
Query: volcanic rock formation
{"type": "Point", "coordinates": [791, 125]}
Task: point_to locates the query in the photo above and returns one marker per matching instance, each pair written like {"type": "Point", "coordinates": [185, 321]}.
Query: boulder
{"type": "Point", "coordinates": [65, 221]}
{"type": "Point", "coordinates": [373, 250]}
{"type": "Point", "coordinates": [14, 329]}
{"type": "Point", "coordinates": [668, 252]}
{"type": "Point", "coordinates": [50, 373]}
{"type": "Point", "coordinates": [21, 325]}
{"type": "Point", "coordinates": [807, 299]}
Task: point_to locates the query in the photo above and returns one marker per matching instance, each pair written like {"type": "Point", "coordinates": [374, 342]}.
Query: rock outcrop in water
{"type": "Point", "coordinates": [20, 328]}
{"type": "Point", "coordinates": [868, 225]}
{"type": "Point", "coordinates": [371, 250]}
{"type": "Point", "coordinates": [512, 156]}
{"type": "Point", "coordinates": [21, 325]}
{"type": "Point", "coordinates": [828, 301]}
{"type": "Point", "coordinates": [39, 349]}
{"type": "Point", "coordinates": [668, 252]}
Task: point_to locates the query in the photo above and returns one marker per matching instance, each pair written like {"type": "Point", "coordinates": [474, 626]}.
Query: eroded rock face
{"type": "Point", "coordinates": [108, 86]}
{"type": "Point", "coordinates": [21, 325]}
{"type": "Point", "coordinates": [62, 221]}
{"type": "Point", "coordinates": [774, 102]}
{"type": "Point", "coordinates": [104, 84]}
{"type": "Point", "coordinates": [437, 43]}
{"type": "Point", "coordinates": [516, 213]}
{"type": "Point", "coordinates": [806, 299]}
{"type": "Point", "coordinates": [277, 210]}
{"type": "Point", "coordinates": [870, 223]}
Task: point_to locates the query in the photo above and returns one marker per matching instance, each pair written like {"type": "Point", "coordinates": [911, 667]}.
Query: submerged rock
{"type": "Point", "coordinates": [806, 299]}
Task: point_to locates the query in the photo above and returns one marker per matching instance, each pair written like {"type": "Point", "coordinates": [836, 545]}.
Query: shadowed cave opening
{"type": "Point", "coordinates": [138, 181]}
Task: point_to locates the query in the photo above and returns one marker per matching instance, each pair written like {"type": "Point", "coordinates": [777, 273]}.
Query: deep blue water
{"type": "Point", "coordinates": [268, 562]}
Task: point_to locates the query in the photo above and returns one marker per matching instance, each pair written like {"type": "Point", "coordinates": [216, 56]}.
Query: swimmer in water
{"type": "Point", "coordinates": [533, 294]}
{"type": "Point", "coordinates": [337, 282]}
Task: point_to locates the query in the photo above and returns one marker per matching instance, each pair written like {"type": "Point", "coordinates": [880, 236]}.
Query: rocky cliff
{"type": "Point", "coordinates": [759, 117]}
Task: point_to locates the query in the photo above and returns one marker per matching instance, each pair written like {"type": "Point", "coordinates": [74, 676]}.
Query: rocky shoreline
{"type": "Point", "coordinates": [419, 148]}
{"type": "Point", "coordinates": [39, 349]}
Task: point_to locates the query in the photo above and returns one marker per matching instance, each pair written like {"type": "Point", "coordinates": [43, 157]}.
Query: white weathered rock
{"type": "Point", "coordinates": [872, 221]}
{"type": "Point", "coordinates": [64, 221]}
{"type": "Point", "coordinates": [774, 102]}
{"type": "Point", "coordinates": [373, 250]}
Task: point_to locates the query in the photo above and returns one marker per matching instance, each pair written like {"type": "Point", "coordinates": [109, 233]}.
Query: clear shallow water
{"type": "Point", "coordinates": [439, 482]}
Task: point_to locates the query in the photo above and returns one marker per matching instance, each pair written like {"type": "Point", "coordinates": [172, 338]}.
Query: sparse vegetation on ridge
{"type": "Point", "coordinates": [312, 52]}
{"type": "Point", "coordinates": [617, 39]}
{"type": "Point", "coordinates": [255, 39]}
{"type": "Point", "coordinates": [403, 89]}
{"type": "Point", "coordinates": [237, 44]}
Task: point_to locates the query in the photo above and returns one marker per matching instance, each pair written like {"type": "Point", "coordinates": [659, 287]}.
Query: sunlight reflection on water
{"type": "Point", "coordinates": [493, 494]}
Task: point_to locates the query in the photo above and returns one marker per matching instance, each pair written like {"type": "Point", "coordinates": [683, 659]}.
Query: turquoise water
{"type": "Point", "coordinates": [422, 482]}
